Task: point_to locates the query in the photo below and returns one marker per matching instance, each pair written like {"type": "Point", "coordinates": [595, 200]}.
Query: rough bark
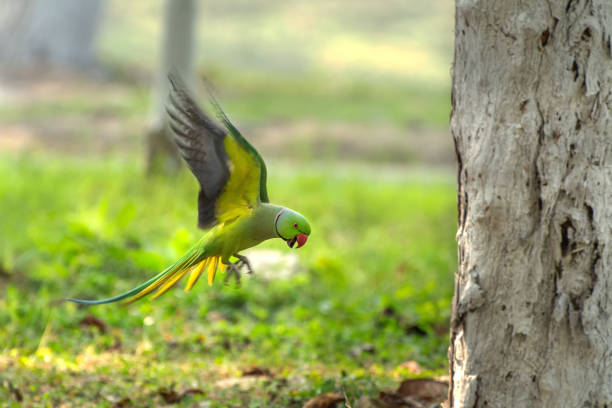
{"type": "Point", "coordinates": [531, 120]}
{"type": "Point", "coordinates": [58, 33]}
{"type": "Point", "coordinates": [176, 55]}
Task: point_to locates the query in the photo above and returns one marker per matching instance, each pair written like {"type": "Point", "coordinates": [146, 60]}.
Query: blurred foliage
{"type": "Point", "coordinates": [323, 98]}
{"type": "Point", "coordinates": [315, 60]}
{"type": "Point", "coordinates": [377, 272]}
{"type": "Point", "coordinates": [364, 39]}
{"type": "Point", "coordinates": [255, 97]}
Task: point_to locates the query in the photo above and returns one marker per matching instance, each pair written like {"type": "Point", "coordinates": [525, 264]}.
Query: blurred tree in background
{"type": "Point", "coordinates": [176, 54]}
{"type": "Point", "coordinates": [41, 33]}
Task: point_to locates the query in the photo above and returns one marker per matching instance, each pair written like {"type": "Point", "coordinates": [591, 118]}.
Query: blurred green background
{"type": "Point", "coordinates": [348, 102]}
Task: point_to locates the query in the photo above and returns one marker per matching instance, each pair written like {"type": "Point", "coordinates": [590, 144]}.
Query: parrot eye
{"type": "Point", "coordinates": [295, 225]}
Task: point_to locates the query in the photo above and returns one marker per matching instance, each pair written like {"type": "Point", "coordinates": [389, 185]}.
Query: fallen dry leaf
{"type": "Point", "coordinates": [369, 402]}
{"type": "Point", "coordinates": [423, 390]}
{"type": "Point", "coordinates": [257, 372]}
{"type": "Point", "coordinates": [328, 400]}
{"type": "Point", "coordinates": [170, 396]}
{"type": "Point", "coordinates": [392, 400]}
{"type": "Point", "coordinates": [91, 320]}
{"type": "Point", "coordinates": [123, 403]}
{"type": "Point", "coordinates": [412, 393]}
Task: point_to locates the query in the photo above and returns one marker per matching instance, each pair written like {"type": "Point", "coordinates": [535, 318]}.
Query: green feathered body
{"type": "Point", "coordinates": [245, 232]}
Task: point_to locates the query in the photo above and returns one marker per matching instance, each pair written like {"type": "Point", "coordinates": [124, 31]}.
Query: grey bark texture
{"type": "Point", "coordinates": [532, 125]}
{"type": "Point", "coordinates": [57, 33]}
{"type": "Point", "coordinates": [177, 53]}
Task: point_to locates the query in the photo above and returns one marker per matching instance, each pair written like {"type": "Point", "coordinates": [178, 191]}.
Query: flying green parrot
{"type": "Point", "coordinates": [232, 202]}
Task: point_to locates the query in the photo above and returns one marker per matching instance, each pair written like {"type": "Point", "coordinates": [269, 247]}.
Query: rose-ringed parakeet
{"type": "Point", "coordinates": [232, 202]}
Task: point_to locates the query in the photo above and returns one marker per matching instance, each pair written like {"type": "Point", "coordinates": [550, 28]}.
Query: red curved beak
{"type": "Point", "coordinates": [301, 240]}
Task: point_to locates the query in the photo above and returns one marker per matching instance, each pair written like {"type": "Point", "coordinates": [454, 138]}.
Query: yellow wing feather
{"type": "Point", "coordinates": [241, 192]}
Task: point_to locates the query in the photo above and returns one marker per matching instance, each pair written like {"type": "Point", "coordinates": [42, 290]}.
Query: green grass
{"type": "Point", "coordinates": [376, 271]}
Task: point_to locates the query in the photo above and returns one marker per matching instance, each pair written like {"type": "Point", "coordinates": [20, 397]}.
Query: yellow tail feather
{"type": "Point", "coordinates": [164, 284]}
{"type": "Point", "coordinates": [195, 274]}
{"type": "Point", "coordinates": [150, 288]}
{"type": "Point", "coordinates": [212, 269]}
{"type": "Point", "coordinates": [170, 283]}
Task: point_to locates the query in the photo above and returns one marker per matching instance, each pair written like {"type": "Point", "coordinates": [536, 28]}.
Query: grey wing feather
{"type": "Point", "coordinates": [200, 143]}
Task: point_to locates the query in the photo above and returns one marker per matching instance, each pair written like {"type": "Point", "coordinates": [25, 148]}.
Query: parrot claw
{"type": "Point", "coordinates": [233, 269]}
{"type": "Point", "coordinates": [244, 261]}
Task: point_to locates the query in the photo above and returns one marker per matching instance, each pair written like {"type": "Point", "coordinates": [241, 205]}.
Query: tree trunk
{"type": "Point", "coordinates": [58, 33]}
{"type": "Point", "coordinates": [531, 120]}
{"type": "Point", "coordinates": [176, 55]}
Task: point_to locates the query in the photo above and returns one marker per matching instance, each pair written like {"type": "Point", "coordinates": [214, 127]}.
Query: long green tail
{"type": "Point", "coordinates": [194, 260]}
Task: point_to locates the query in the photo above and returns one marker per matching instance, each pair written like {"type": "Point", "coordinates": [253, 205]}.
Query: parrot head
{"type": "Point", "coordinates": [292, 227]}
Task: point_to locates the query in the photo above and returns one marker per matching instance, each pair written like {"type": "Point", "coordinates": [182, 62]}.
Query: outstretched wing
{"type": "Point", "coordinates": [232, 175]}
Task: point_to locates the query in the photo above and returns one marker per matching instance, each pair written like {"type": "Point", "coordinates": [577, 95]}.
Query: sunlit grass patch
{"type": "Point", "coordinates": [373, 291]}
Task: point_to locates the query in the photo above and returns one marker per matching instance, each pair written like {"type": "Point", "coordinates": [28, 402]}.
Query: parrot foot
{"type": "Point", "coordinates": [233, 269]}
{"type": "Point", "coordinates": [244, 261]}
